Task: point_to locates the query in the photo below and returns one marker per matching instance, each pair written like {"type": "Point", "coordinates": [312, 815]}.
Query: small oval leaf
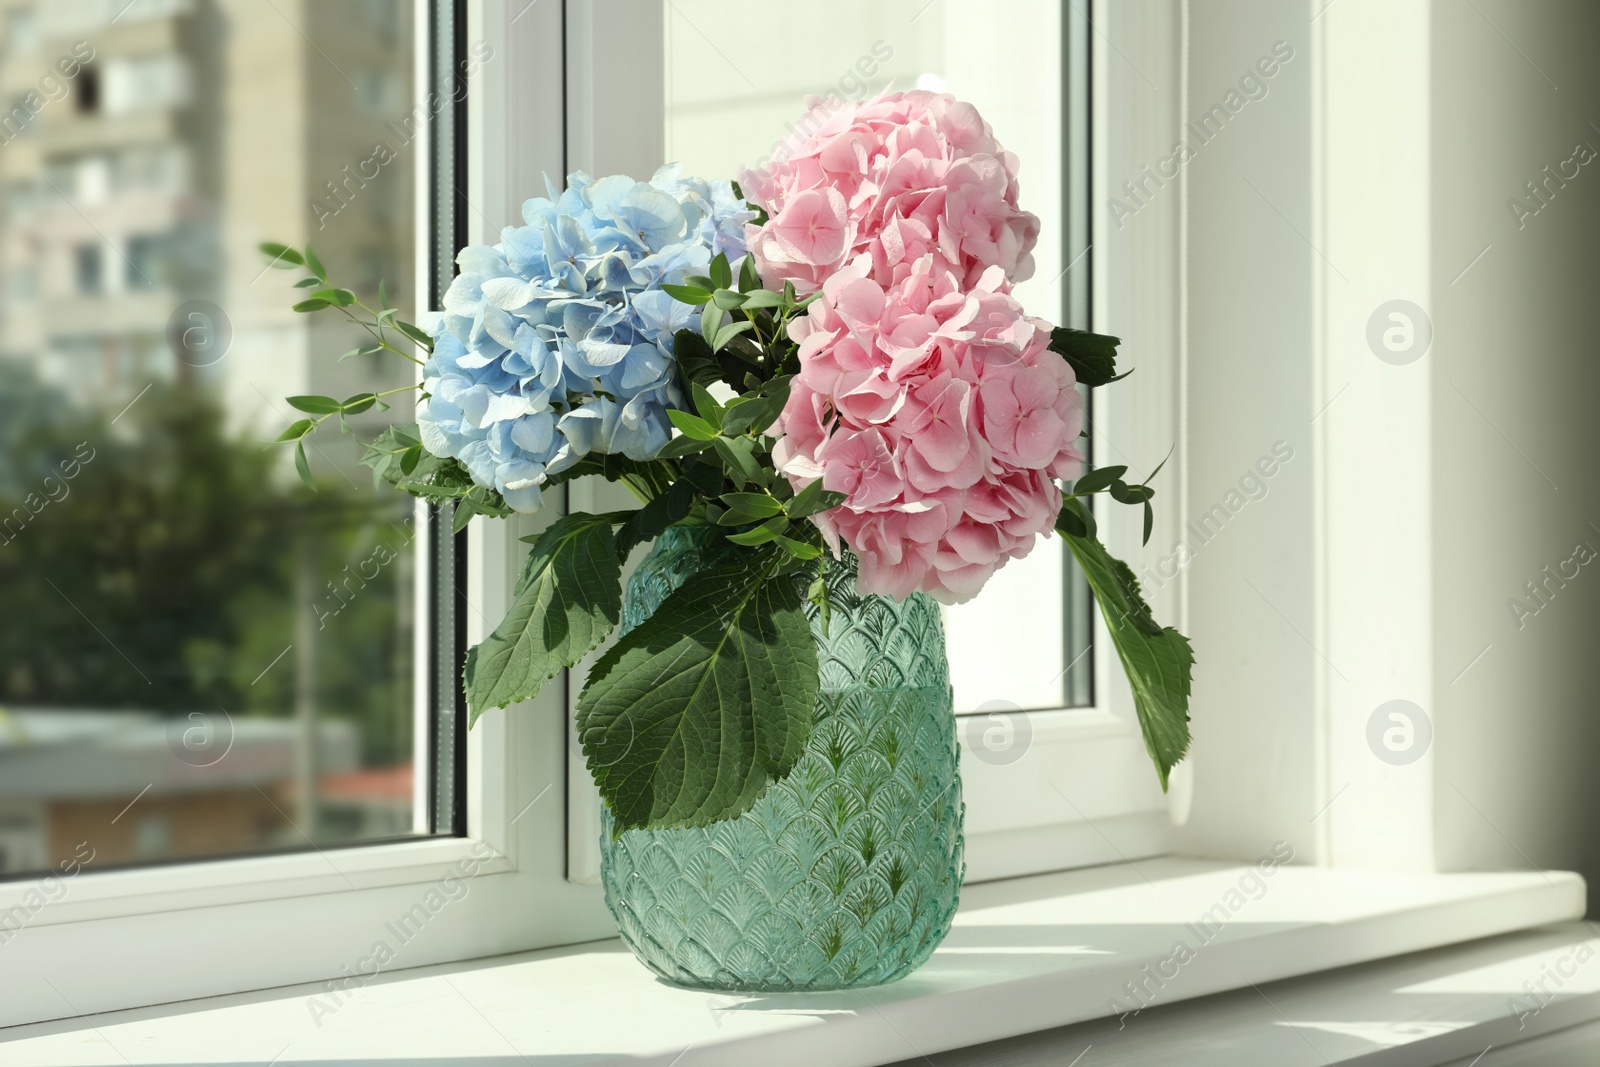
{"type": "Point", "coordinates": [282, 255]}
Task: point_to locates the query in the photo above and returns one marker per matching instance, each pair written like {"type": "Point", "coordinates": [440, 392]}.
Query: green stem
{"type": "Point", "coordinates": [755, 327]}
{"type": "Point", "coordinates": [640, 492]}
{"type": "Point", "coordinates": [378, 396]}
{"type": "Point", "coordinates": [378, 334]}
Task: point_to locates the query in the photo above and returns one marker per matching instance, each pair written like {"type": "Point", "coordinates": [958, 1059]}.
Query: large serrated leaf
{"type": "Point", "coordinates": [1157, 660]}
{"type": "Point", "coordinates": [692, 715]}
{"type": "Point", "coordinates": [568, 599]}
{"type": "Point", "coordinates": [1093, 356]}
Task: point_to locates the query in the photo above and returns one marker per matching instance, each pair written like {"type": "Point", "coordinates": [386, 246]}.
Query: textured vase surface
{"type": "Point", "coordinates": [847, 871]}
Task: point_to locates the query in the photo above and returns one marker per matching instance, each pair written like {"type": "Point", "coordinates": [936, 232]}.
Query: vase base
{"type": "Point", "coordinates": [734, 987]}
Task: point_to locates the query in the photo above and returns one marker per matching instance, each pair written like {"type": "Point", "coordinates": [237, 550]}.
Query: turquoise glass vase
{"type": "Point", "coordinates": [847, 871]}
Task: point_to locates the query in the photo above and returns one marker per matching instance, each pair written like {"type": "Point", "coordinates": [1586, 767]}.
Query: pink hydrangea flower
{"type": "Point", "coordinates": [941, 413]}
{"type": "Point", "coordinates": [899, 177]}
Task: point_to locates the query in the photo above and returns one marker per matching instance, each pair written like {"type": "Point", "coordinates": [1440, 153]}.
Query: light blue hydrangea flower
{"type": "Point", "coordinates": [557, 342]}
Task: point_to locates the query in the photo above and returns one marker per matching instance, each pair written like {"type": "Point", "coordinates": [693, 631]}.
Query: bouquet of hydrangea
{"type": "Point", "coordinates": [824, 358]}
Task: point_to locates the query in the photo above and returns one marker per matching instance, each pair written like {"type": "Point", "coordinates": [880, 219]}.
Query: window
{"type": "Point", "coordinates": [24, 284]}
{"type": "Point", "coordinates": [18, 121]}
{"type": "Point", "coordinates": [250, 632]}
{"type": "Point", "coordinates": [147, 262]}
{"type": "Point", "coordinates": [378, 90]}
{"type": "Point", "coordinates": [158, 168]}
{"type": "Point", "coordinates": [148, 81]}
{"type": "Point", "coordinates": [22, 31]}
{"type": "Point", "coordinates": [202, 657]}
{"type": "Point", "coordinates": [60, 175]}
{"type": "Point", "coordinates": [88, 94]}
{"type": "Point", "coordinates": [20, 197]}
{"type": "Point", "coordinates": [251, 736]}
{"type": "Point", "coordinates": [86, 267]}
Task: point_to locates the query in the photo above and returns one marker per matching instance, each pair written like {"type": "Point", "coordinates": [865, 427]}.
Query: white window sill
{"type": "Point", "coordinates": [1025, 955]}
{"type": "Point", "coordinates": [1446, 1007]}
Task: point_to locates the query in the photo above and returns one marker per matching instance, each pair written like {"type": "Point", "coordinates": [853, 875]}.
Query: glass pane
{"type": "Point", "coordinates": [1023, 641]}
{"type": "Point", "coordinates": [197, 654]}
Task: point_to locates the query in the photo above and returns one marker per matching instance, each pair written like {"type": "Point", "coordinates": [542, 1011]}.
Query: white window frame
{"type": "Point", "coordinates": [1084, 794]}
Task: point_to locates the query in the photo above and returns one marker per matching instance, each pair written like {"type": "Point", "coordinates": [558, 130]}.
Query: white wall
{"type": "Point", "coordinates": [1514, 391]}
{"type": "Point", "coordinates": [1423, 494]}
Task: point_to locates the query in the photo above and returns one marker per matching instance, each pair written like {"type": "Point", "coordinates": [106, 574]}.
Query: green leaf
{"type": "Point", "coordinates": [700, 281]}
{"type": "Point", "coordinates": [650, 521]}
{"type": "Point", "coordinates": [695, 359]}
{"type": "Point", "coordinates": [1123, 493]}
{"type": "Point", "coordinates": [396, 456]}
{"type": "Point", "coordinates": [694, 713]}
{"type": "Point", "coordinates": [742, 352]}
{"type": "Point", "coordinates": [761, 298]}
{"type": "Point", "coordinates": [1071, 522]}
{"type": "Point", "coordinates": [339, 298]}
{"type": "Point", "coordinates": [383, 296]}
{"type": "Point", "coordinates": [1158, 660]}
{"type": "Point", "coordinates": [721, 273]}
{"type": "Point", "coordinates": [355, 405]}
{"type": "Point", "coordinates": [314, 264]}
{"type": "Point", "coordinates": [568, 599]}
{"type": "Point", "coordinates": [707, 405]}
{"type": "Point", "coordinates": [705, 476]}
{"type": "Point", "coordinates": [763, 533]}
{"type": "Point", "coordinates": [296, 430]}
{"type": "Point", "coordinates": [729, 332]}
{"type": "Point", "coordinates": [692, 426]}
{"type": "Point", "coordinates": [776, 394]}
{"type": "Point", "coordinates": [799, 549]}
{"type": "Point", "coordinates": [742, 414]}
{"type": "Point", "coordinates": [315, 405]}
{"type": "Point", "coordinates": [470, 500]}
{"type": "Point", "coordinates": [416, 333]}
{"type": "Point", "coordinates": [306, 283]}
{"type": "Point", "coordinates": [759, 505]}
{"type": "Point", "coordinates": [749, 277]}
{"type": "Point", "coordinates": [686, 294]}
{"type": "Point", "coordinates": [700, 364]}
{"type": "Point", "coordinates": [1149, 522]}
{"type": "Point", "coordinates": [727, 299]}
{"type": "Point", "coordinates": [814, 499]}
{"type": "Point", "coordinates": [683, 445]}
{"type": "Point", "coordinates": [1097, 479]}
{"type": "Point", "coordinates": [710, 321]}
{"type": "Point", "coordinates": [738, 456]}
{"type": "Point", "coordinates": [310, 305]}
{"type": "Point", "coordinates": [1093, 356]}
{"type": "Point", "coordinates": [282, 256]}
{"type": "Point", "coordinates": [301, 466]}
{"type": "Point", "coordinates": [610, 466]}
{"type": "Point", "coordinates": [734, 517]}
